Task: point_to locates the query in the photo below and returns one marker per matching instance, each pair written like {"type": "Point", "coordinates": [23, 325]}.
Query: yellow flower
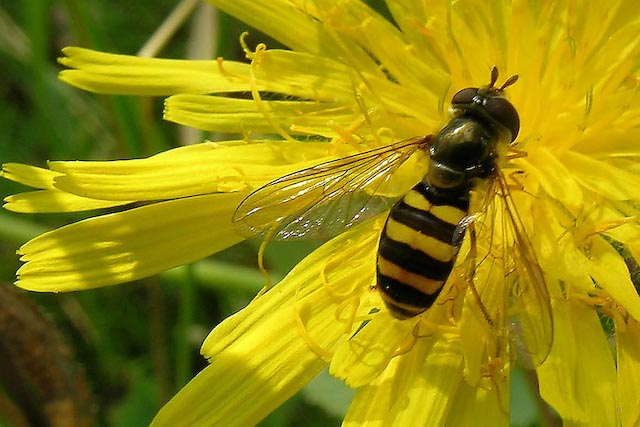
{"type": "Point", "coordinates": [353, 81]}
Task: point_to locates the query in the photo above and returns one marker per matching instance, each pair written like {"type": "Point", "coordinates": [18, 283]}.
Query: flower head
{"type": "Point", "coordinates": [354, 81]}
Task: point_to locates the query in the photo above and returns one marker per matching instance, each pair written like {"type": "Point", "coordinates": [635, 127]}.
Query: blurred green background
{"type": "Point", "coordinates": [133, 345]}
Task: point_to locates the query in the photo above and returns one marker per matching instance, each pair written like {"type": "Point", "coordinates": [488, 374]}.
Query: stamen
{"type": "Point", "coordinates": [407, 345]}
{"type": "Point", "coordinates": [315, 347]}
{"type": "Point", "coordinates": [605, 304]}
{"type": "Point", "coordinates": [350, 307]}
{"type": "Point", "coordinates": [256, 58]}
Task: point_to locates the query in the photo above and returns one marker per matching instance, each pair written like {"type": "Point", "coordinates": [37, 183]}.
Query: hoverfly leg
{"type": "Point", "coordinates": [421, 330]}
{"type": "Point", "coordinates": [514, 153]}
{"type": "Point", "coordinates": [302, 315]}
{"type": "Point", "coordinates": [515, 184]}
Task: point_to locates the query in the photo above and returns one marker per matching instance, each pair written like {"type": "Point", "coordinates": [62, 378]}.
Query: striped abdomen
{"type": "Point", "coordinates": [417, 252]}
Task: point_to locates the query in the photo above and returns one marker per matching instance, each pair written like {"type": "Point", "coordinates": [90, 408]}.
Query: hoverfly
{"type": "Point", "coordinates": [425, 228]}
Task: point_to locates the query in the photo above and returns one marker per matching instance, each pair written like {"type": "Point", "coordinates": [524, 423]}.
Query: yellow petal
{"type": "Point", "coordinates": [560, 258]}
{"type": "Point", "coordinates": [303, 74]}
{"type": "Point", "coordinates": [415, 389]}
{"type": "Point", "coordinates": [386, 43]}
{"type": "Point", "coordinates": [220, 114]}
{"type": "Point", "coordinates": [29, 175]}
{"type": "Point", "coordinates": [254, 375]}
{"type": "Point", "coordinates": [556, 180]}
{"type": "Point", "coordinates": [438, 375]}
{"type": "Point", "coordinates": [370, 406]}
{"type": "Point", "coordinates": [616, 144]}
{"type": "Point", "coordinates": [360, 359]}
{"type": "Point", "coordinates": [423, 106]}
{"type": "Point", "coordinates": [578, 379]}
{"type": "Point", "coordinates": [308, 34]}
{"type": "Point", "coordinates": [628, 346]}
{"type": "Point", "coordinates": [479, 36]}
{"type": "Point", "coordinates": [581, 262]}
{"type": "Point", "coordinates": [603, 178]}
{"type": "Point", "coordinates": [129, 245]}
{"type": "Point", "coordinates": [610, 272]}
{"type": "Point", "coordinates": [124, 74]}
{"type": "Point", "coordinates": [275, 19]}
{"type": "Point", "coordinates": [187, 171]}
{"type": "Point", "coordinates": [263, 354]}
{"type": "Point", "coordinates": [44, 201]}
{"type": "Point", "coordinates": [322, 269]}
{"type": "Point", "coordinates": [480, 407]}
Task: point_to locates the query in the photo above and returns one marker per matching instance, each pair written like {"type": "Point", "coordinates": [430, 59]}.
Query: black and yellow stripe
{"type": "Point", "coordinates": [417, 252]}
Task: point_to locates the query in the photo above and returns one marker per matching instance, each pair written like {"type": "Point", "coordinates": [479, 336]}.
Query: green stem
{"type": "Point", "coordinates": [220, 275]}
{"type": "Point", "coordinates": [186, 315]}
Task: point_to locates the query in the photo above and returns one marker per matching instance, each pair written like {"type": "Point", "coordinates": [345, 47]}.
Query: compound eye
{"type": "Point", "coordinates": [501, 110]}
{"type": "Point", "coordinates": [465, 96]}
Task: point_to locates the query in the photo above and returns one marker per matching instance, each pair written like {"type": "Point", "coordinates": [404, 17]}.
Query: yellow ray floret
{"type": "Point", "coordinates": [126, 246]}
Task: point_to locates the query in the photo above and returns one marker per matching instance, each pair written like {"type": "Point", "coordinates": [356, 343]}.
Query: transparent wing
{"type": "Point", "coordinates": [506, 282]}
{"type": "Point", "coordinates": [529, 294]}
{"type": "Point", "coordinates": [328, 197]}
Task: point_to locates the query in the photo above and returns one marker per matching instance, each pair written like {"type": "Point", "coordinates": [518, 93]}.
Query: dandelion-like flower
{"type": "Point", "coordinates": [353, 82]}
